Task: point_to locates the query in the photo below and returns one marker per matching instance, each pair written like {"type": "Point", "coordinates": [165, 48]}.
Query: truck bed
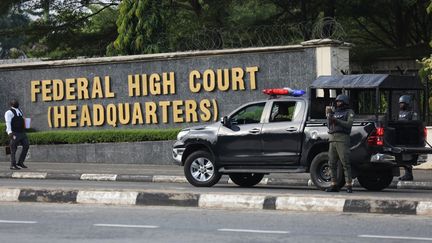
{"type": "Point", "coordinates": [405, 134]}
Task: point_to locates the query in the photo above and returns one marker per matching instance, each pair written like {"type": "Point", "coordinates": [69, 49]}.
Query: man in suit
{"type": "Point", "coordinates": [15, 129]}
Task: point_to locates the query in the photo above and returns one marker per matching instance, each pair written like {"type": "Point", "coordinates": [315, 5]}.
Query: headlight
{"type": "Point", "coordinates": [181, 134]}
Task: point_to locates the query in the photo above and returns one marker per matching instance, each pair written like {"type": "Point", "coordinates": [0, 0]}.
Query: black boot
{"type": "Point", "coordinates": [14, 167]}
{"type": "Point", "coordinates": [22, 165]}
{"type": "Point", "coordinates": [349, 189]}
{"type": "Point", "coordinates": [408, 174]}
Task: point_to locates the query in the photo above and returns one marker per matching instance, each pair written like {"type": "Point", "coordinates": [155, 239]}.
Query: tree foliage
{"type": "Point", "coordinates": [426, 70]}
{"type": "Point", "coordinates": [64, 29]}
{"type": "Point", "coordinates": [141, 28]}
{"type": "Point", "coordinates": [58, 28]}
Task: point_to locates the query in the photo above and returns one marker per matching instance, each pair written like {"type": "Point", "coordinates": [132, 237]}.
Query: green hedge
{"type": "Point", "coordinates": [95, 136]}
{"type": "Point", "coordinates": [3, 135]}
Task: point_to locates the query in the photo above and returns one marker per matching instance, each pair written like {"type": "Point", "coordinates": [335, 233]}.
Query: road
{"type": "Point", "coordinates": [35, 222]}
{"type": "Point", "coordinates": [220, 188]}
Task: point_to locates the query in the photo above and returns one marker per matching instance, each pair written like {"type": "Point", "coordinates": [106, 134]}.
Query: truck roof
{"type": "Point", "coordinates": [368, 81]}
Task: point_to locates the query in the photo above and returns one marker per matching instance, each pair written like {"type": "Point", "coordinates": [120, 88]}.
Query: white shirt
{"type": "Point", "coordinates": [8, 118]}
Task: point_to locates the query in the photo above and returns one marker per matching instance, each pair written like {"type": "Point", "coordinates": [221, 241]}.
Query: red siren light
{"type": "Point", "coordinates": [284, 91]}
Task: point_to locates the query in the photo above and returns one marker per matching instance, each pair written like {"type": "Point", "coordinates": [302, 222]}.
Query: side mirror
{"type": "Point", "coordinates": [225, 121]}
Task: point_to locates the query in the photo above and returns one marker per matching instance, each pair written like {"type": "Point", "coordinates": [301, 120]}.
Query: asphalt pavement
{"type": "Point", "coordinates": [30, 222]}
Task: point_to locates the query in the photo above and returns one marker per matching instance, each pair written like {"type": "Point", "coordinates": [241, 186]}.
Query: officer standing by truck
{"type": "Point", "coordinates": [406, 114]}
{"type": "Point", "coordinates": [339, 125]}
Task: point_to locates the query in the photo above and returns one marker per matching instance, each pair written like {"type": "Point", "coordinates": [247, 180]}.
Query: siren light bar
{"type": "Point", "coordinates": [285, 91]}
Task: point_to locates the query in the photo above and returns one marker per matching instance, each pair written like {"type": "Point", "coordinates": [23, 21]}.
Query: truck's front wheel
{"type": "Point", "coordinates": [246, 179]}
{"type": "Point", "coordinates": [200, 170]}
{"type": "Point", "coordinates": [377, 181]}
{"type": "Point", "coordinates": [320, 172]}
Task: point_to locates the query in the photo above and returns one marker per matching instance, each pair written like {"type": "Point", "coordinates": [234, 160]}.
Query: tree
{"type": "Point", "coordinates": [9, 42]}
{"type": "Point", "coordinates": [392, 24]}
{"type": "Point", "coordinates": [426, 70]}
{"type": "Point", "coordinates": [141, 28]}
{"type": "Point", "coordinates": [58, 28]}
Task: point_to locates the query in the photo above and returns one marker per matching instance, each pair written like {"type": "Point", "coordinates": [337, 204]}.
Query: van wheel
{"type": "Point", "coordinates": [200, 170]}
{"type": "Point", "coordinates": [246, 179]}
{"type": "Point", "coordinates": [376, 182]}
{"type": "Point", "coordinates": [320, 172]}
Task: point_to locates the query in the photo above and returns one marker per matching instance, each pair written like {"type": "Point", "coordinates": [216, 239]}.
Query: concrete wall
{"type": "Point", "coordinates": [156, 152]}
{"type": "Point", "coordinates": [286, 66]}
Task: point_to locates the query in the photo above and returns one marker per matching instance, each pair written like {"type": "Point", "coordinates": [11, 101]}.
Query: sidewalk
{"type": "Point", "coordinates": [167, 174]}
{"type": "Point", "coordinates": [265, 200]}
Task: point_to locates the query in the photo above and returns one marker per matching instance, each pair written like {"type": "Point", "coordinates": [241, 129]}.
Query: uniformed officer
{"type": "Point", "coordinates": [406, 114]}
{"type": "Point", "coordinates": [339, 125]}
{"type": "Point", "coordinates": [15, 130]}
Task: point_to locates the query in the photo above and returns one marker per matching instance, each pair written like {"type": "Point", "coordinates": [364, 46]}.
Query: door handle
{"type": "Point", "coordinates": [254, 130]}
{"type": "Point", "coordinates": [291, 129]}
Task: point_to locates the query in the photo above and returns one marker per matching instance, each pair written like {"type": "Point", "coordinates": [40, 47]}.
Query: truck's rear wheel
{"type": "Point", "coordinates": [377, 181]}
{"type": "Point", "coordinates": [200, 170]}
{"type": "Point", "coordinates": [246, 179]}
{"type": "Point", "coordinates": [320, 172]}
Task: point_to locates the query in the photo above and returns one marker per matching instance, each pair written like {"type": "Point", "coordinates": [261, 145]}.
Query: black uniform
{"type": "Point", "coordinates": [340, 124]}
{"type": "Point", "coordinates": [405, 115]}
{"type": "Point", "coordinates": [339, 138]}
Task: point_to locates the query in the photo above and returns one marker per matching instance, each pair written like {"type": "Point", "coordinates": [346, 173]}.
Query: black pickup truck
{"type": "Point", "coordinates": [289, 135]}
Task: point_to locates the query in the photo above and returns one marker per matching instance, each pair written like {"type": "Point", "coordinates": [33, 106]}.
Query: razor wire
{"type": "Point", "coordinates": [259, 36]}
{"type": "Point", "coordinates": [243, 37]}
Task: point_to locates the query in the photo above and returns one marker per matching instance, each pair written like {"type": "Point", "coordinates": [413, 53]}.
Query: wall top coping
{"type": "Point", "coordinates": [171, 55]}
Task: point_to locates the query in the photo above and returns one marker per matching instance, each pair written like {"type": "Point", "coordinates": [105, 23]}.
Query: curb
{"type": "Point", "coordinates": [416, 185]}
{"type": "Point", "coordinates": [220, 201]}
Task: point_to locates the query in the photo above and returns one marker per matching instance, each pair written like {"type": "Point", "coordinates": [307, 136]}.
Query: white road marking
{"type": "Point", "coordinates": [29, 175]}
{"type": "Point", "coordinates": [99, 177]}
{"type": "Point", "coordinates": [17, 222]}
{"type": "Point", "coordinates": [107, 197]}
{"type": "Point", "coordinates": [127, 226]}
{"type": "Point", "coordinates": [395, 237]}
{"type": "Point", "coordinates": [255, 231]}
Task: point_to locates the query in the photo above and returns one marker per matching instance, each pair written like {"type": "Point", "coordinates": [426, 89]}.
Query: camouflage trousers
{"type": "Point", "coordinates": [340, 151]}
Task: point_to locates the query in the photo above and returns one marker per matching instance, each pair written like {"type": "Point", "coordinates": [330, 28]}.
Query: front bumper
{"type": "Point", "coordinates": [177, 154]}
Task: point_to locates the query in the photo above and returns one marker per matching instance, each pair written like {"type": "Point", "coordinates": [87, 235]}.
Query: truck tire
{"type": "Point", "coordinates": [246, 179]}
{"type": "Point", "coordinates": [376, 182]}
{"type": "Point", "coordinates": [320, 172]}
{"type": "Point", "coordinates": [200, 170]}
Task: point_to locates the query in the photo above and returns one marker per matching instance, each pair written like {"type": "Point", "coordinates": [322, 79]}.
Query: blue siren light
{"type": "Point", "coordinates": [298, 92]}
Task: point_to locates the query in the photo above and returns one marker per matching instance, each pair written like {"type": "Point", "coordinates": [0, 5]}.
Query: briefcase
{"type": "Point", "coordinates": [8, 150]}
